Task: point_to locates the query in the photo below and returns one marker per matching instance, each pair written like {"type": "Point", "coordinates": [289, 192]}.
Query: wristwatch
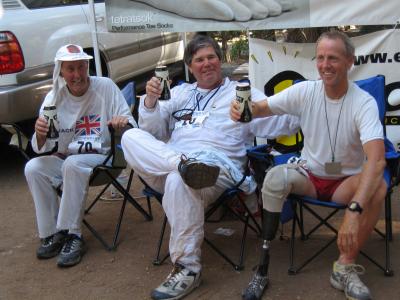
{"type": "Point", "coordinates": [354, 207]}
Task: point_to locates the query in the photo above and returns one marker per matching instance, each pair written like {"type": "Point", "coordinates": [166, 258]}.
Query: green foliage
{"type": "Point", "coordinates": [239, 49]}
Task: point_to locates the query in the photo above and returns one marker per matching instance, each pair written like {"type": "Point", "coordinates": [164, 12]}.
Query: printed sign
{"type": "Point", "coordinates": [274, 66]}
{"type": "Point", "coordinates": [212, 15]}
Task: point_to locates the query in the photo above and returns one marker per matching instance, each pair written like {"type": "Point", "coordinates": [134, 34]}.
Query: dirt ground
{"type": "Point", "coordinates": [128, 272]}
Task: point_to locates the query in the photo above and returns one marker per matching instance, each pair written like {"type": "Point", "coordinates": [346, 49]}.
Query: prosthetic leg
{"type": "Point", "coordinates": [279, 182]}
{"type": "Point", "coordinates": [256, 287]}
{"type": "Point", "coordinates": [270, 223]}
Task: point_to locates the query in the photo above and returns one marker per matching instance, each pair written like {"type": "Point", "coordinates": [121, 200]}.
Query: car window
{"type": "Point", "coordinates": [32, 4]}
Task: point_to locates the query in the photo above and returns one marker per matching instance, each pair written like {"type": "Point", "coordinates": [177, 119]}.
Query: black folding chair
{"type": "Point", "coordinates": [223, 201]}
{"type": "Point", "coordinates": [19, 140]}
{"type": "Point", "coordinates": [106, 174]}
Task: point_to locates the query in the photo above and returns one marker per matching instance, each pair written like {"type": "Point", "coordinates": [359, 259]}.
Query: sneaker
{"type": "Point", "coordinates": [178, 284]}
{"type": "Point", "coordinates": [51, 245]}
{"type": "Point", "coordinates": [196, 174]}
{"type": "Point", "coordinates": [345, 278]}
{"type": "Point", "coordinates": [72, 251]}
{"type": "Point", "coordinates": [256, 287]}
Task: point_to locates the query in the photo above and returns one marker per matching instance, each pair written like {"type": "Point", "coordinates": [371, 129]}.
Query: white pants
{"type": "Point", "coordinates": [44, 174]}
{"type": "Point", "coordinates": [156, 163]}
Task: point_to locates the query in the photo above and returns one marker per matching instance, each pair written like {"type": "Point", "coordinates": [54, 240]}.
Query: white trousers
{"type": "Point", "coordinates": [156, 162]}
{"type": "Point", "coordinates": [44, 174]}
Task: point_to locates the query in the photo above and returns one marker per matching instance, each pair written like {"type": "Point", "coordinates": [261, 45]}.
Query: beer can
{"type": "Point", "coordinates": [243, 96]}
{"type": "Point", "coordinates": [50, 114]}
{"type": "Point", "coordinates": [162, 74]}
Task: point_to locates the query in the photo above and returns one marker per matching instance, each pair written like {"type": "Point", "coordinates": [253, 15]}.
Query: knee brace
{"type": "Point", "coordinates": [279, 182]}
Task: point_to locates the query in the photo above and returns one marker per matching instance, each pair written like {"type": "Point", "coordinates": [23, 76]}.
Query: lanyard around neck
{"type": "Point", "coordinates": [337, 126]}
{"type": "Point", "coordinates": [199, 97]}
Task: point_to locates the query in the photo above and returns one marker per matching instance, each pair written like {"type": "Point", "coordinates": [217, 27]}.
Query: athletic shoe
{"type": "Point", "coordinates": [177, 285]}
{"type": "Point", "coordinates": [196, 174]}
{"type": "Point", "coordinates": [345, 278]}
{"type": "Point", "coordinates": [72, 252]}
{"type": "Point", "coordinates": [256, 287]}
{"type": "Point", "coordinates": [51, 245]}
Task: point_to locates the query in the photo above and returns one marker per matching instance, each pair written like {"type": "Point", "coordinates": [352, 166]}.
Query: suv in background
{"type": "Point", "coordinates": [31, 31]}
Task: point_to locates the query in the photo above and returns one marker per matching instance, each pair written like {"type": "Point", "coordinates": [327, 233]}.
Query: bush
{"type": "Point", "coordinates": [239, 49]}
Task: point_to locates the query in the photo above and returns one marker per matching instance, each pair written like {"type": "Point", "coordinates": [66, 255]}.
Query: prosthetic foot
{"type": "Point", "coordinates": [260, 280]}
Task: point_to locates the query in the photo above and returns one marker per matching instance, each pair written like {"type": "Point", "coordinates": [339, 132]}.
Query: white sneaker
{"type": "Point", "coordinates": [345, 278]}
{"type": "Point", "coordinates": [178, 284]}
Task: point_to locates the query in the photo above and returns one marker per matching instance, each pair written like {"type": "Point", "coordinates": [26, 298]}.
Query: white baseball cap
{"type": "Point", "coordinates": [71, 52]}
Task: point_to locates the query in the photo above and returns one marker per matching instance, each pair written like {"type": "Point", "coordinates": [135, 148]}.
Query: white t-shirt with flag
{"type": "Point", "coordinates": [83, 120]}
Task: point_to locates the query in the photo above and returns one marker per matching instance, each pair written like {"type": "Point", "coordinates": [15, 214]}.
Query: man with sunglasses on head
{"type": "Point", "coordinates": [188, 149]}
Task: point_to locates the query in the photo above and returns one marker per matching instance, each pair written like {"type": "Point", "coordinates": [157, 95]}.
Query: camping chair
{"type": "Point", "coordinates": [222, 201]}
{"type": "Point", "coordinates": [297, 204]}
{"type": "Point", "coordinates": [18, 138]}
{"type": "Point", "coordinates": [376, 87]}
{"type": "Point", "coordinates": [106, 174]}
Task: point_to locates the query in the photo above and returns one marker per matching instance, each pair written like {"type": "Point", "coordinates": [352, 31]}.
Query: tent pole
{"type": "Point", "coordinates": [94, 38]}
{"type": "Point", "coordinates": [186, 67]}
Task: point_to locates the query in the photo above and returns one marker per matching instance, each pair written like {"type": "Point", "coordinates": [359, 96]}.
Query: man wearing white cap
{"type": "Point", "coordinates": [86, 105]}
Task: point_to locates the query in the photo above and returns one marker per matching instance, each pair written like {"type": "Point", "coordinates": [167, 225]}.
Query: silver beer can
{"type": "Point", "coordinates": [243, 96]}
{"type": "Point", "coordinates": [162, 74]}
{"type": "Point", "coordinates": [50, 114]}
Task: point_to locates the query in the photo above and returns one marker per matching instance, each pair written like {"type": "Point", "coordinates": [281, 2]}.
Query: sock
{"type": "Point", "coordinates": [258, 10]}
{"type": "Point", "coordinates": [240, 11]}
{"type": "Point", "coordinates": [275, 9]}
{"type": "Point", "coordinates": [286, 4]}
{"type": "Point", "coordinates": [200, 9]}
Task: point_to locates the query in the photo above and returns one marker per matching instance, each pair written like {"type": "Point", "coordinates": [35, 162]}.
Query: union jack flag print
{"type": "Point", "coordinates": [88, 125]}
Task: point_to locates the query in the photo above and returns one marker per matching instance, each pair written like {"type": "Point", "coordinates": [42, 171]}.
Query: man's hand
{"type": "Point", "coordinates": [259, 109]}
{"type": "Point", "coordinates": [235, 110]}
{"type": "Point", "coordinates": [118, 122]}
{"type": "Point", "coordinates": [41, 129]}
{"type": "Point", "coordinates": [153, 92]}
{"type": "Point", "coordinates": [348, 233]}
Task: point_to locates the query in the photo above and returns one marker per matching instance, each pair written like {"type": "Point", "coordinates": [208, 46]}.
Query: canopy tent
{"type": "Point", "coordinates": [133, 16]}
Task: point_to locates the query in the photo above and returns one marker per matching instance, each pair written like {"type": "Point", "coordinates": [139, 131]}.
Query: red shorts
{"type": "Point", "coordinates": [325, 187]}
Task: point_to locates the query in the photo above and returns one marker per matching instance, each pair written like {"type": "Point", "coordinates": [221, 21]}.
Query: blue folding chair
{"type": "Point", "coordinates": [295, 205]}
{"type": "Point", "coordinates": [376, 87]}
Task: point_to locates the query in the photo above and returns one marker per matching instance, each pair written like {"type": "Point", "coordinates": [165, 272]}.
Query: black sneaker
{"type": "Point", "coordinates": [196, 174]}
{"type": "Point", "coordinates": [51, 245]}
{"type": "Point", "coordinates": [256, 287]}
{"type": "Point", "coordinates": [72, 251]}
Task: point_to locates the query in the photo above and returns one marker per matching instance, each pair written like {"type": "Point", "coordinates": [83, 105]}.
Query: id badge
{"type": "Point", "coordinates": [199, 117]}
{"type": "Point", "coordinates": [333, 168]}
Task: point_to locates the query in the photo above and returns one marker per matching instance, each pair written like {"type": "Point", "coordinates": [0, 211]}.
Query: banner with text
{"type": "Point", "coordinates": [219, 15]}
{"type": "Point", "coordinates": [274, 66]}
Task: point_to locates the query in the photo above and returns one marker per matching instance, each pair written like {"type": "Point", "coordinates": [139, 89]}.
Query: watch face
{"type": "Point", "coordinates": [354, 206]}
